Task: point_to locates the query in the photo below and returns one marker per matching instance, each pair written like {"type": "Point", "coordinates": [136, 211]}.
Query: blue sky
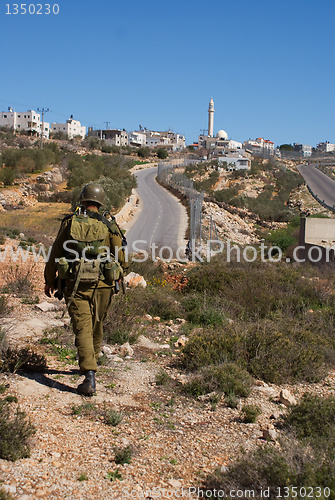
{"type": "Point", "coordinates": [268, 64]}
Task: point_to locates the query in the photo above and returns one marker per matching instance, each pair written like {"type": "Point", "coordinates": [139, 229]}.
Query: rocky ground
{"type": "Point", "coordinates": [175, 441]}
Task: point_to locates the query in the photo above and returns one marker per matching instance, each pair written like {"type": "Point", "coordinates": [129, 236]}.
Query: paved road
{"type": "Point", "coordinates": [162, 220]}
{"type": "Point", "coordinates": [321, 185]}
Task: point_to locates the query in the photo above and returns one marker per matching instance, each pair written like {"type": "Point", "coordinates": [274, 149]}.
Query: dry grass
{"type": "Point", "coordinates": [40, 221]}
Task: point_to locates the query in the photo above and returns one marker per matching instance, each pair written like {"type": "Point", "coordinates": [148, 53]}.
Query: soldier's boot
{"type": "Point", "coordinates": [87, 387]}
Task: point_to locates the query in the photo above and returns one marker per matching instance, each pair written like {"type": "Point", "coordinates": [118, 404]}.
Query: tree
{"type": "Point", "coordinates": [162, 153]}
{"type": "Point", "coordinates": [143, 152]}
{"type": "Point", "coordinates": [286, 147]}
{"type": "Point", "coordinates": [59, 135]}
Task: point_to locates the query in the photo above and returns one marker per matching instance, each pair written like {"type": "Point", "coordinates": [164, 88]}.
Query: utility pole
{"type": "Point", "coordinates": [107, 125]}
{"type": "Point", "coordinates": [42, 111]}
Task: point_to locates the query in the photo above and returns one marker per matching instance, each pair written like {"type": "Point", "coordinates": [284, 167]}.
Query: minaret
{"type": "Point", "coordinates": [210, 117]}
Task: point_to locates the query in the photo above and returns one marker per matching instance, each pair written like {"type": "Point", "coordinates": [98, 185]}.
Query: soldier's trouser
{"type": "Point", "coordinates": [87, 311]}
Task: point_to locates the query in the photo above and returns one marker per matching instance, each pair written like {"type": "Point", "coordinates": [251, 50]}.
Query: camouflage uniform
{"type": "Point", "coordinates": [88, 307]}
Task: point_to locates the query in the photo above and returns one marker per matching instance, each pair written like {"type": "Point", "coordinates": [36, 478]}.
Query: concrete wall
{"type": "Point", "coordinates": [317, 240]}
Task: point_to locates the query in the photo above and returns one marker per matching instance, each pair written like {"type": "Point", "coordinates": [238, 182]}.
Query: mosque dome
{"type": "Point", "coordinates": [222, 135]}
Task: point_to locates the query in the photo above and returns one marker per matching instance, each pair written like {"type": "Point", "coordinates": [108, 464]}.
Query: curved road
{"type": "Point", "coordinates": [321, 185]}
{"type": "Point", "coordinates": [162, 220]}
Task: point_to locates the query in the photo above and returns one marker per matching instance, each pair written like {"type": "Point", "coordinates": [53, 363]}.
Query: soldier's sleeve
{"type": "Point", "coordinates": [57, 251]}
{"type": "Point", "coordinates": [116, 244]}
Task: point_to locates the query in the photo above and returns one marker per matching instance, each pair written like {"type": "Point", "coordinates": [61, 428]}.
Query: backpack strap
{"type": "Point", "coordinates": [102, 218]}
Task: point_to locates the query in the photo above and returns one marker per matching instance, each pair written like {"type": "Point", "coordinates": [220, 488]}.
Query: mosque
{"type": "Point", "coordinates": [220, 143]}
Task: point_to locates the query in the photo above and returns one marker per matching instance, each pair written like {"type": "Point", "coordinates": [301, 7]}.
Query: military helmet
{"type": "Point", "coordinates": [93, 192]}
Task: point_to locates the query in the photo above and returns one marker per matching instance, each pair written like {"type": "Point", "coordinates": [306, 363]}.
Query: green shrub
{"type": "Point", "coordinates": [250, 413]}
{"type": "Point", "coordinates": [280, 352]}
{"type": "Point", "coordinates": [15, 431]}
{"type": "Point", "coordinates": [275, 350]}
{"type": "Point", "coordinates": [143, 152]}
{"type": "Point", "coordinates": [113, 417]}
{"type": "Point", "coordinates": [284, 237]}
{"type": "Point", "coordinates": [23, 160]}
{"type": "Point", "coordinates": [312, 417]}
{"type": "Point", "coordinates": [14, 359]}
{"type": "Point", "coordinates": [225, 378]}
{"type": "Point", "coordinates": [231, 400]}
{"type": "Point", "coordinates": [83, 477]}
{"type": "Point", "coordinates": [10, 399]}
{"type": "Point", "coordinates": [125, 315]}
{"type": "Point", "coordinates": [87, 409]}
{"type": "Point", "coordinates": [162, 153]}
{"type": "Point", "coordinates": [208, 184]}
{"type": "Point", "coordinates": [271, 203]}
{"type": "Point", "coordinates": [5, 309]}
{"type": "Point", "coordinates": [123, 455]}
{"type": "Point", "coordinates": [4, 495]}
{"type": "Point", "coordinates": [162, 377]}
{"type": "Point", "coordinates": [114, 475]}
{"type": "Point", "coordinates": [203, 310]}
{"type": "Point", "coordinates": [265, 467]}
{"type": "Point", "coordinates": [226, 195]}
{"type": "Point", "coordinates": [276, 287]}
{"type": "Point", "coordinates": [3, 343]}
{"type": "Point", "coordinates": [294, 465]}
{"type": "Point", "coordinates": [19, 281]}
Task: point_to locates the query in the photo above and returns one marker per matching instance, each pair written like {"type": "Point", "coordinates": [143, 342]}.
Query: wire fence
{"type": "Point", "coordinates": [172, 175]}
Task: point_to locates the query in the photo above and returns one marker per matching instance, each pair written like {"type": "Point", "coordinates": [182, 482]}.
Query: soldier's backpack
{"type": "Point", "coordinates": [88, 256]}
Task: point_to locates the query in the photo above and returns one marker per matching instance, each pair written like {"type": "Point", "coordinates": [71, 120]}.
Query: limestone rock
{"type": "Point", "coordinates": [126, 350]}
{"type": "Point", "coordinates": [174, 483]}
{"type": "Point", "coordinates": [270, 433]}
{"type": "Point", "coordinates": [133, 280]}
{"type": "Point", "coordinates": [9, 488]}
{"type": "Point", "coordinates": [181, 342]}
{"type": "Point", "coordinates": [208, 397]}
{"type": "Point", "coordinates": [108, 350]}
{"type": "Point", "coordinates": [46, 306]}
{"type": "Point", "coordinates": [286, 398]}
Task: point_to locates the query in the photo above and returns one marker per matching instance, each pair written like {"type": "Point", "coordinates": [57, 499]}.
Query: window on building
{"type": "Point", "coordinates": [19, 116]}
{"type": "Point", "coordinates": [5, 116]}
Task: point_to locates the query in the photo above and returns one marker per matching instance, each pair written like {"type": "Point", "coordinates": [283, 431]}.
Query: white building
{"type": "Point", "coordinates": [112, 137]}
{"type": "Point", "coordinates": [157, 139]}
{"type": "Point", "coordinates": [220, 143]}
{"type": "Point", "coordinates": [235, 161]}
{"type": "Point", "coordinates": [259, 146]}
{"type": "Point", "coordinates": [28, 121]}
{"type": "Point", "coordinates": [71, 128]}
{"type": "Point", "coordinates": [326, 147]}
{"type": "Point", "coordinates": [137, 138]}
{"type": "Point", "coordinates": [176, 142]}
{"type": "Point", "coordinates": [304, 149]}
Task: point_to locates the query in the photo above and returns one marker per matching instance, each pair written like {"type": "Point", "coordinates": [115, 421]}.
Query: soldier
{"type": "Point", "coordinates": [89, 257]}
